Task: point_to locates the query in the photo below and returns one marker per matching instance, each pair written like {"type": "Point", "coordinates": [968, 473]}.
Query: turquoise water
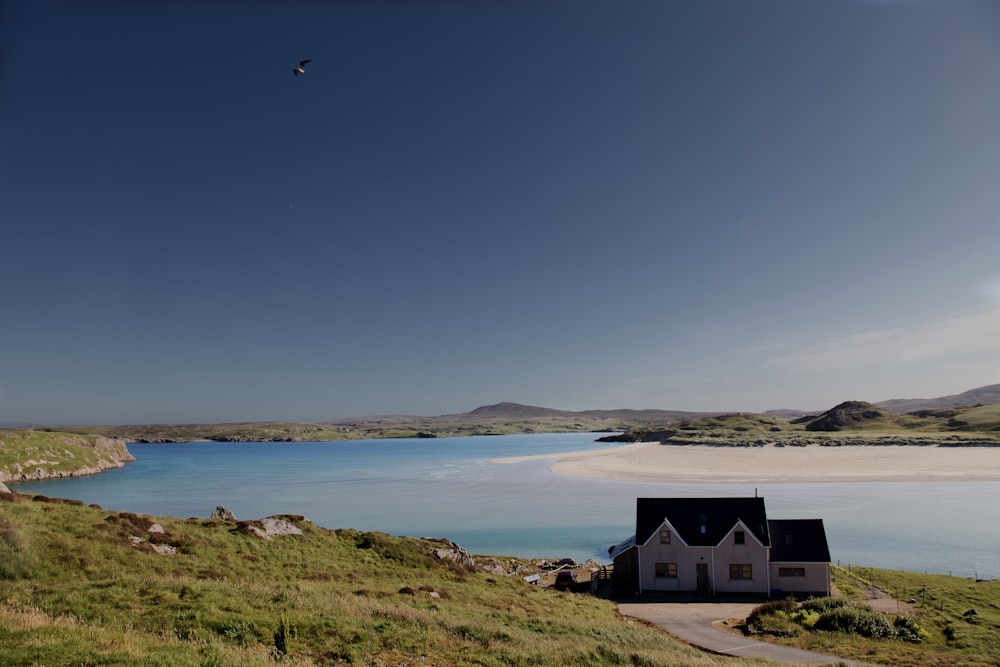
{"type": "Point", "coordinates": [449, 488]}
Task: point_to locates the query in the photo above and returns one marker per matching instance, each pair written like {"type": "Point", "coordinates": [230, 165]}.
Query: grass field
{"type": "Point", "coordinates": [26, 451]}
{"type": "Point", "coordinates": [84, 586]}
{"type": "Point", "coordinates": [934, 626]}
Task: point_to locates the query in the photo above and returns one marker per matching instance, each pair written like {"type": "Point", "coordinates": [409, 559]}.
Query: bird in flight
{"type": "Point", "coordinates": [301, 69]}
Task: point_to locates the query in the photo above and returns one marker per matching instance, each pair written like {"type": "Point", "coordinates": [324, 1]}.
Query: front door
{"type": "Point", "coordinates": [702, 572]}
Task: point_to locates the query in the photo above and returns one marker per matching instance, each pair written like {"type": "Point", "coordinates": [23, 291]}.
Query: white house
{"type": "Point", "coordinates": [720, 546]}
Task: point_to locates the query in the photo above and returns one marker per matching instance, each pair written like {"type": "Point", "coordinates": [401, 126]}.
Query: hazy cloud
{"type": "Point", "coordinates": [942, 340]}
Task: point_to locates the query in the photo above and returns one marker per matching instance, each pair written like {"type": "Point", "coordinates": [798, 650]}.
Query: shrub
{"type": "Point", "coordinates": [908, 629]}
{"type": "Point", "coordinates": [825, 604]}
{"type": "Point", "coordinates": [855, 620]}
{"type": "Point", "coordinates": [786, 606]}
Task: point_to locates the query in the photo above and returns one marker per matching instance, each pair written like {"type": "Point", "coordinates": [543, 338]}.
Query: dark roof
{"type": "Point", "coordinates": [688, 515]}
{"type": "Point", "coordinates": [798, 540]}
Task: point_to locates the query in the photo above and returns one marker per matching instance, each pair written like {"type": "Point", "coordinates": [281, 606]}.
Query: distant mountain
{"type": "Point", "coordinates": [508, 410]}
{"type": "Point", "coordinates": [988, 395]}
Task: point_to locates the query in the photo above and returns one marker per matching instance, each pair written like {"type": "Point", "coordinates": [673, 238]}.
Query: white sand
{"type": "Point", "coordinates": [653, 462]}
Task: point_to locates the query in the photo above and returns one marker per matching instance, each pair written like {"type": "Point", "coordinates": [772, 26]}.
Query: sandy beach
{"type": "Point", "coordinates": [655, 462]}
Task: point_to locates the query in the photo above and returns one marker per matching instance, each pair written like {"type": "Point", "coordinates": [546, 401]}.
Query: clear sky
{"type": "Point", "coordinates": [678, 204]}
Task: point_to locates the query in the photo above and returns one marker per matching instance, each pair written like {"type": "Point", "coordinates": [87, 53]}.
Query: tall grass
{"type": "Point", "coordinates": [90, 593]}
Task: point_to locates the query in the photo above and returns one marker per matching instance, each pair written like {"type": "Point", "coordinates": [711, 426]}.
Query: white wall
{"type": "Point", "coordinates": [817, 579]}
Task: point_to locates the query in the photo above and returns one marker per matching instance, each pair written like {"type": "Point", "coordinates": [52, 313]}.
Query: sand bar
{"type": "Point", "coordinates": [654, 462]}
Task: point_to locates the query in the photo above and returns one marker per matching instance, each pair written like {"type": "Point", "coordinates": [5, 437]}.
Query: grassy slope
{"type": "Point", "coordinates": [75, 591]}
{"type": "Point", "coordinates": [25, 451]}
{"type": "Point", "coordinates": [951, 638]}
{"type": "Point", "coordinates": [979, 425]}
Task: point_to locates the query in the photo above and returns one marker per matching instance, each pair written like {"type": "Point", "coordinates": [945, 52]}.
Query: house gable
{"type": "Point", "coordinates": [701, 522]}
{"type": "Point", "coordinates": [675, 536]}
{"type": "Point", "coordinates": [747, 534]}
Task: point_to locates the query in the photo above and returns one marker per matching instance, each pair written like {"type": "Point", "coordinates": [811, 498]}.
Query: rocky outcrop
{"type": "Point", "coordinates": [56, 453]}
{"type": "Point", "coordinates": [849, 414]}
{"type": "Point", "coordinates": [223, 513]}
{"type": "Point", "coordinates": [641, 435]}
{"type": "Point", "coordinates": [268, 527]}
{"type": "Point", "coordinates": [448, 550]}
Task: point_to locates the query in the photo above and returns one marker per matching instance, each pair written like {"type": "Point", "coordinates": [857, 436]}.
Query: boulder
{"type": "Point", "coordinates": [275, 526]}
{"type": "Point", "coordinates": [451, 551]}
{"type": "Point", "coordinates": [222, 513]}
{"type": "Point", "coordinates": [155, 528]}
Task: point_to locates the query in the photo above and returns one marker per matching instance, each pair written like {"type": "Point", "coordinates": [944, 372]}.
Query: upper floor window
{"type": "Point", "coordinates": [740, 537]}
{"type": "Point", "coordinates": [664, 537]}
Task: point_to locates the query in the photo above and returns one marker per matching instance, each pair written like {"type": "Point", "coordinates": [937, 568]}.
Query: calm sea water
{"type": "Point", "coordinates": [448, 488]}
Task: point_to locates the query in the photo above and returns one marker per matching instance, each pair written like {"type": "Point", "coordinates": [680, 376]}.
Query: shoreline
{"type": "Point", "coordinates": [656, 462]}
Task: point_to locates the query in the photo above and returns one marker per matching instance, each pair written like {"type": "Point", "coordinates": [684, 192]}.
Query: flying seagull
{"type": "Point", "coordinates": [301, 69]}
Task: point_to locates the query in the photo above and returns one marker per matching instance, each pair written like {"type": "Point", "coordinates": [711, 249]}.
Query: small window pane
{"type": "Point", "coordinates": [664, 537]}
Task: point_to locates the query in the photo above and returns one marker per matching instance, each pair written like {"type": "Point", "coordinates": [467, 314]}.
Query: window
{"type": "Point", "coordinates": [664, 537]}
{"type": "Point", "coordinates": [740, 537]}
{"type": "Point", "coordinates": [666, 570]}
{"type": "Point", "coordinates": [791, 571]}
{"type": "Point", "coordinates": [740, 571]}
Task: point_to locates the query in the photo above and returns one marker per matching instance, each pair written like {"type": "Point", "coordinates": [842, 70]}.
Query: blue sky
{"type": "Point", "coordinates": [711, 205]}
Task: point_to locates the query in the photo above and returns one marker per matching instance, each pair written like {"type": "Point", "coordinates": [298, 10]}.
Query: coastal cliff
{"type": "Point", "coordinates": [33, 455]}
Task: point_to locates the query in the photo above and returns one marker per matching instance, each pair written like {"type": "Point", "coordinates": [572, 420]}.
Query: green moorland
{"type": "Point", "coordinates": [84, 586]}
{"type": "Point", "coordinates": [382, 427]}
{"type": "Point", "coordinates": [853, 424]}
{"type": "Point", "coordinates": [26, 452]}
{"type": "Point", "coordinates": [498, 419]}
{"type": "Point", "coordinates": [847, 424]}
{"type": "Point", "coordinates": [935, 620]}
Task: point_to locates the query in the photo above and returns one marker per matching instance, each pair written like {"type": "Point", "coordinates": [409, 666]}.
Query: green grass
{"type": "Point", "coordinates": [979, 426]}
{"type": "Point", "coordinates": [76, 590]}
{"type": "Point", "coordinates": [24, 451]}
{"type": "Point", "coordinates": [934, 630]}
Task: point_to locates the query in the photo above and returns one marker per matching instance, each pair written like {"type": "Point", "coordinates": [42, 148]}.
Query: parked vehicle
{"type": "Point", "coordinates": [565, 580]}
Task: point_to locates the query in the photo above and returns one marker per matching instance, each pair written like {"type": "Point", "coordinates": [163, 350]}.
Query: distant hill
{"type": "Point", "coordinates": [988, 395]}
{"type": "Point", "coordinates": [509, 410]}
{"type": "Point", "coordinates": [854, 415]}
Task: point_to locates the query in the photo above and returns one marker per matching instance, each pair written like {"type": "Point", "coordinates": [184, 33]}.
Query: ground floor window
{"type": "Point", "coordinates": [791, 571]}
{"type": "Point", "coordinates": [666, 570]}
{"type": "Point", "coordinates": [741, 571]}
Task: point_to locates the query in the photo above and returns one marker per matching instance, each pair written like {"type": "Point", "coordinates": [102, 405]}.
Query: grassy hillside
{"type": "Point", "coordinates": [84, 586]}
{"type": "Point", "coordinates": [930, 617]}
{"type": "Point", "coordinates": [851, 423]}
{"type": "Point", "coordinates": [498, 419]}
{"type": "Point", "coordinates": [35, 454]}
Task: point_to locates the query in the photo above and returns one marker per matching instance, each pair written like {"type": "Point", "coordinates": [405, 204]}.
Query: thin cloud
{"type": "Point", "coordinates": [938, 341]}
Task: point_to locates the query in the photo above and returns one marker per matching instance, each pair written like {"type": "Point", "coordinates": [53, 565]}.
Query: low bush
{"type": "Point", "coordinates": [858, 620]}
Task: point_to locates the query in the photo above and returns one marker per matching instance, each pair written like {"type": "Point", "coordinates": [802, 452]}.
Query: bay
{"type": "Point", "coordinates": [449, 488]}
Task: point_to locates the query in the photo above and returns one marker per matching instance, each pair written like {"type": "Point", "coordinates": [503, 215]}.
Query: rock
{"type": "Point", "coordinates": [3, 488]}
{"type": "Point", "coordinates": [275, 526]}
{"type": "Point", "coordinates": [155, 528]}
{"type": "Point", "coordinates": [164, 549]}
{"type": "Point", "coordinates": [453, 552]}
{"type": "Point", "coordinates": [222, 513]}
{"type": "Point", "coordinates": [250, 528]}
